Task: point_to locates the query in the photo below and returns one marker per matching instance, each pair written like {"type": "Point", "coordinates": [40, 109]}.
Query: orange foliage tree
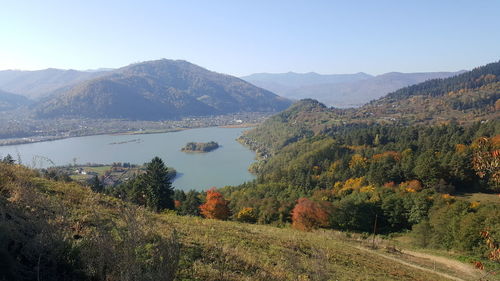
{"type": "Point", "coordinates": [486, 159]}
{"type": "Point", "coordinates": [411, 186]}
{"type": "Point", "coordinates": [494, 247]}
{"type": "Point", "coordinates": [308, 214]}
{"type": "Point", "coordinates": [215, 207]}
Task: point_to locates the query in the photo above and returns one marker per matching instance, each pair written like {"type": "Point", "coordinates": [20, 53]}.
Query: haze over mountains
{"type": "Point", "coordinates": [42, 83]}
{"type": "Point", "coordinates": [169, 89]}
{"type": "Point", "coordinates": [340, 90]}
{"type": "Point", "coordinates": [153, 90]}
{"type": "Point", "coordinates": [9, 101]}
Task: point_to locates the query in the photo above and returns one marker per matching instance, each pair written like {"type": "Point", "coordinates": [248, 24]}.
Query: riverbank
{"type": "Point", "coordinates": [16, 132]}
{"type": "Point", "coordinates": [35, 139]}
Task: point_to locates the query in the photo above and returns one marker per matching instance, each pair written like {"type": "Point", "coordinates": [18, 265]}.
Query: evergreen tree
{"type": "Point", "coordinates": [179, 195]}
{"type": "Point", "coordinates": [191, 205]}
{"type": "Point", "coordinates": [157, 186]}
{"type": "Point", "coordinates": [8, 159]}
{"type": "Point", "coordinates": [96, 185]}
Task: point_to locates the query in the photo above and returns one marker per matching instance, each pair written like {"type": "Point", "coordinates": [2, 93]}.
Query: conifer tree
{"type": "Point", "coordinates": [157, 186]}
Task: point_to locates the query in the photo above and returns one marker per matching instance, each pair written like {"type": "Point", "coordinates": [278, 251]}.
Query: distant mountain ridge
{"type": "Point", "coordinates": [9, 101]}
{"type": "Point", "coordinates": [42, 83]}
{"type": "Point", "coordinates": [292, 79]}
{"type": "Point", "coordinates": [473, 96]}
{"type": "Point", "coordinates": [341, 90]}
{"type": "Point", "coordinates": [161, 89]}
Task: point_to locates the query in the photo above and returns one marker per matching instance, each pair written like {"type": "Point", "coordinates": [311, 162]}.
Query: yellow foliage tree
{"type": "Point", "coordinates": [357, 161]}
{"type": "Point", "coordinates": [247, 215]}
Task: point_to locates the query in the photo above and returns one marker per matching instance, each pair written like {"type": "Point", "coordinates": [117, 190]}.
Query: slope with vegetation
{"type": "Point", "coordinates": [52, 230]}
{"type": "Point", "coordinates": [401, 162]}
{"type": "Point", "coordinates": [9, 101]}
{"type": "Point", "coordinates": [469, 97]}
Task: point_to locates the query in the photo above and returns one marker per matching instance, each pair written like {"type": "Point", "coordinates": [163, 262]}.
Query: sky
{"type": "Point", "coordinates": [240, 37]}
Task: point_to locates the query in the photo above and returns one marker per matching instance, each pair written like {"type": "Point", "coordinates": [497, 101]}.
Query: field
{"type": "Point", "coordinates": [480, 197]}
{"type": "Point", "coordinates": [110, 175]}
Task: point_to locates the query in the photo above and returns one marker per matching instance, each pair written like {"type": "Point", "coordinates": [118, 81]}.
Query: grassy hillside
{"type": "Point", "coordinates": [62, 231]}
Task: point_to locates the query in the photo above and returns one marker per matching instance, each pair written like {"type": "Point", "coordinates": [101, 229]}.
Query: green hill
{"type": "Point", "coordinates": [53, 230]}
{"type": "Point", "coordinates": [422, 162]}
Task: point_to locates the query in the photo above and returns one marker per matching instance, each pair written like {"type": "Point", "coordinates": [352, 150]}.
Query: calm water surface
{"type": "Point", "coordinates": [226, 165]}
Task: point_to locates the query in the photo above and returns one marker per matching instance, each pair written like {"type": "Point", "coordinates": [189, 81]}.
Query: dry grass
{"type": "Point", "coordinates": [222, 250]}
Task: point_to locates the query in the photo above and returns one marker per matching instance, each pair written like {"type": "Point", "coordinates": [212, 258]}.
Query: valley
{"type": "Point", "coordinates": [404, 187]}
{"type": "Point", "coordinates": [250, 140]}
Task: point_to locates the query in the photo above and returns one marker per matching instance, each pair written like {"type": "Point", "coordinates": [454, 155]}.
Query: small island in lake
{"type": "Point", "coordinates": [200, 146]}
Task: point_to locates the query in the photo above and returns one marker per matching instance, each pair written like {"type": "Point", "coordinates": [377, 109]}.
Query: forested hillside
{"type": "Point", "coordinates": [469, 97]}
{"type": "Point", "coordinates": [156, 90]}
{"type": "Point", "coordinates": [405, 161]}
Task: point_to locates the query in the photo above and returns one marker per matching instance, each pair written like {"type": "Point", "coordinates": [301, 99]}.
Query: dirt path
{"type": "Point", "coordinates": [450, 263]}
{"type": "Point", "coordinates": [465, 268]}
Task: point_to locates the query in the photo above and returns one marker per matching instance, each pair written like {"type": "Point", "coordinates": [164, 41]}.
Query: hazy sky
{"type": "Point", "coordinates": [242, 37]}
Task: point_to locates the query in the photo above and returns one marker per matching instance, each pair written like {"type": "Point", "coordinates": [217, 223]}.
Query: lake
{"type": "Point", "coordinates": [227, 165]}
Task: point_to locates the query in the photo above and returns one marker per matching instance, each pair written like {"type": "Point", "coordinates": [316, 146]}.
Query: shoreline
{"type": "Point", "coordinates": [37, 139]}
{"type": "Point", "coordinates": [245, 125]}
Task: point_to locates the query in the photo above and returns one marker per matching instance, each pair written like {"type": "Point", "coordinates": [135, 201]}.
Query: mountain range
{"type": "Point", "coordinates": [10, 101]}
{"type": "Point", "coordinates": [152, 90]}
{"type": "Point", "coordinates": [42, 83]}
{"type": "Point", "coordinates": [340, 90]}
{"type": "Point", "coordinates": [170, 89]}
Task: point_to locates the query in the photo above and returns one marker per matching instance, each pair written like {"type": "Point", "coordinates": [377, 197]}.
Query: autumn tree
{"type": "Point", "coordinates": [493, 246]}
{"type": "Point", "coordinates": [308, 214]}
{"type": "Point", "coordinates": [215, 207]}
{"type": "Point", "coordinates": [247, 215]}
{"type": "Point", "coordinates": [486, 159]}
